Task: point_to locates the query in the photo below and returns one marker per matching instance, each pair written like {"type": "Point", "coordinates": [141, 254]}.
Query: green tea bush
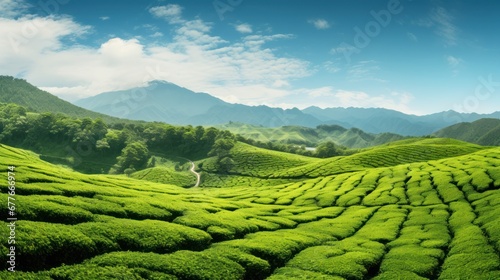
{"type": "Point", "coordinates": [90, 271]}
{"type": "Point", "coordinates": [481, 180]}
{"type": "Point", "coordinates": [349, 258]}
{"type": "Point", "coordinates": [414, 258]}
{"type": "Point", "coordinates": [255, 268]}
{"type": "Point", "coordinates": [95, 206]}
{"type": "Point", "coordinates": [182, 264]}
{"type": "Point", "coordinates": [154, 236]}
{"type": "Point", "coordinates": [286, 273]}
{"type": "Point", "coordinates": [233, 221]}
{"type": "Point", "coordinates": [37, 208]}
{"type": "Point", "coordinates": [44, 245]}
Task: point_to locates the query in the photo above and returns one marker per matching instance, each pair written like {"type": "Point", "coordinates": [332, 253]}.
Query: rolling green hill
{"type": "Point", "coordinates": [483, 132]}
{"type": "Point", "coordinates": [352, 138]}
{"type": "Point", "coordinates": [261, 165]}
{"type": "Point", "coordinates": [429, 219]}
{"type": "Point", "coordinates": [20, 92]}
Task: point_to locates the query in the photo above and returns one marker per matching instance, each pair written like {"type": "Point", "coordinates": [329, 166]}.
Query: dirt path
{"type": "Point", "coordinates": [198, 176]}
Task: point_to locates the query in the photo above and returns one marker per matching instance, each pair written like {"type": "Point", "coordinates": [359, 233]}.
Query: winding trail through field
{"type": "Point", "coordinates": [198, 176]}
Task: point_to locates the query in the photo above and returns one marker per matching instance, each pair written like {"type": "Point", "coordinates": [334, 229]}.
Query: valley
{"type": "Point", "coordinates": [355, 220]}
{"type": "Point", "coordinates": [95, 197]}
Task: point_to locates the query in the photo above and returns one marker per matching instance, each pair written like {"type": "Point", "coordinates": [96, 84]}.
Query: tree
{"type": "Point", "coordinates": [225, 164]}
{"type": "Point", "coordinates": [221, 148]}
{"type": "Point", "coordinates": [134, 155]}
{"type": "Point", "coordinates": [129, 171]}
{"type": "Point", "coordinates": [327, 149]}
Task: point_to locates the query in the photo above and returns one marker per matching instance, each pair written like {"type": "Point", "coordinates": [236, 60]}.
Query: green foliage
{"type": "Point", "coordinates": [134, 156]}
{"type": "Point", "coordinates": [436, 219]}
{"type": "Point", "coordinates": [294, 139]}
{"type": "Point", "coordinates": [20, 92]}
{"type": "Point", "coordinates": [327, 149]}
{"type": "Point", "coordinates": [166, 176]}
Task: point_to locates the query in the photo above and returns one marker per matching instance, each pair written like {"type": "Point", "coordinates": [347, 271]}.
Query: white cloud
{"type": "Point", "coordinates": [332, 67]}
{"type": "Point", "coordinates": [244, 28]}
{"type": "Point", "coordinates": [245, 71]}
{"type": "Point", "coordinates": [281, 83]}
{"type": "Point", "coordinates": [12, 8]}
{"type": "Point", "coordinates": [156, 34]}
{"type": "Point", "coordinates": [327, 96]}
{"type": "Point", "coordinates": [171, 13]}
{"type": "Point", "coordinates": [320, 23]}
{"type": "Point", "coordinates": [103, 18]}
{"type": "Point", "coordinates": [344, 49]}
{"type": "Point", "coordinates": [394, 100]}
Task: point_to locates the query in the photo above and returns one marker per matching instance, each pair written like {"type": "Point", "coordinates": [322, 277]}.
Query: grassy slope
{"type": "Point", "coordinates": [20, 92]}
{"type": "Point", "coordinates": [259, 167]}
{"type": "Point", "coordinates": [427, 219]}
{"type": "Point", "coordinates": [482, 132]}
{"type": "Point", "coordinates": [166, 176]}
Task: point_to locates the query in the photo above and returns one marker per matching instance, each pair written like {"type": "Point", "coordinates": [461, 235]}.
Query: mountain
{"type": "Point", "coordinates": [378, 120]}
{"type": "Point", "coordinates": [483, 132]}
{"type": "Point", "coordinates": [167, 102]}
{"type": "Point", "coordinates": [352, 137]}
{"type": "Point", "coordinates": [19, 91]}
{"type": "Point", "coordinates": [159, 101]}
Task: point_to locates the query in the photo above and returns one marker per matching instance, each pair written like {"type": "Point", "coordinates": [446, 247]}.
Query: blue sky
{"type": "Point", "coordinates": [418, 57]}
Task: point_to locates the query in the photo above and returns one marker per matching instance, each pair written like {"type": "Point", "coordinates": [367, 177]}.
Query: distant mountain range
{"type": "Point", "coordinates": [167, 102]}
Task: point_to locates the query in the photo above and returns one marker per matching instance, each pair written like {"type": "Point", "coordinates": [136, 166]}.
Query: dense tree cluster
{"type": "Point", "coordinates": [126, 146]}
{"type": "Point", "coordinates": [92, 145]}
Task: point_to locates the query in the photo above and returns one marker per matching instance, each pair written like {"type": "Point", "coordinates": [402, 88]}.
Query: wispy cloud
{"type": "Point", "coordinates": [412, 36]}
{"type": "Point", "coordinates": [364, 71]}
{"type": "Point", "coordinates": [331, 66]}
{"type": "Point", "coordinates": [455, 63]}
{"type": "Point", "coordinates": [445, 27]}
{"type": "Point", "coordinates": [320, 23]}
{"type": "Point", "coordinates": [244, 28]}
{"type": "Point", "coordinates": [13, 8]}
{"type": "Point", "coordinates": [104, 18]}
{"type": "Point", "coordinates": [423, 22]}
{"type": "Point", "coordinates": [171, 12]}
{"type": "Point", "coordinates": [156, 34]}
{"type": "Point", "coordinates": [443, 23]}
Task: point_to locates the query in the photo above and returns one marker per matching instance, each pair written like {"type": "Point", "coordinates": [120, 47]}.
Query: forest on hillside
{"type": "Point", "coordinates": [95, 146]}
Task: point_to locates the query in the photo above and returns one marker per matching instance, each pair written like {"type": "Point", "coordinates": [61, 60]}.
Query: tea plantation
{"type": "Point", "coordinates": [417, 209]}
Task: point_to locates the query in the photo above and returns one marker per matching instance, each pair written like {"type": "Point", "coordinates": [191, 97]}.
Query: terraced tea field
{"type": "Point", "coordinates": [420, 210]}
